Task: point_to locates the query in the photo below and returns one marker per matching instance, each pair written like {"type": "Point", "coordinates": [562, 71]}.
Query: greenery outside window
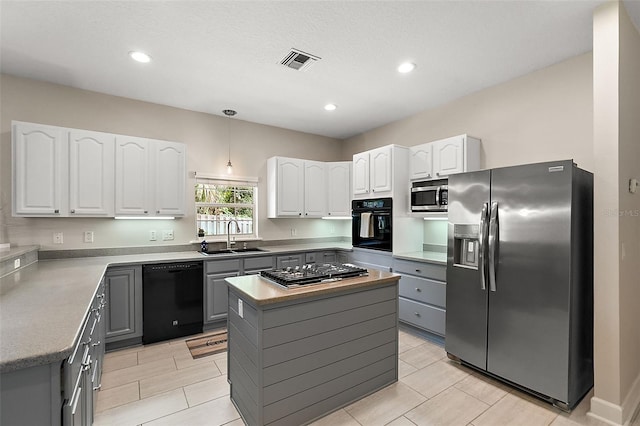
{"type": "Point", "coordinates": [219, 201]}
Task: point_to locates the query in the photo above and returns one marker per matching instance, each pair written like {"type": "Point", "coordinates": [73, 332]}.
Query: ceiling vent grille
{"type": "Point", "coordinates": [298, 60]}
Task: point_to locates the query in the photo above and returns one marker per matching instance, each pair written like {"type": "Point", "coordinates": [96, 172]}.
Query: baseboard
{"type": "Point", "coordinates": [613, 414]}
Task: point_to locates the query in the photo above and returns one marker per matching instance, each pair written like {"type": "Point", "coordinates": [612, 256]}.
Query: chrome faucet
{"type": "Point", "coordinates": [229, 242]}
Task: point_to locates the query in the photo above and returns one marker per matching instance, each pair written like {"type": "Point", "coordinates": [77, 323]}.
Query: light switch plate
{"type": "Point", "coordinates": [167, 234]}
{"type": "Point", "coordinates": [152, 236]}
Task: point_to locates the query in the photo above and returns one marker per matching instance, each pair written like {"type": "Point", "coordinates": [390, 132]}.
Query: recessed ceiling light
{"type": "Point", "coordinates": [140, 57]}
{"type": "Point", "coordinates": [406, 67]}
{"type": "Point", "coordinates": [330, 107]}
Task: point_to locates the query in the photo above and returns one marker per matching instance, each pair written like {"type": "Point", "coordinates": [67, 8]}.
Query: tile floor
{"type": "Point", "coordinates": [161, 384]}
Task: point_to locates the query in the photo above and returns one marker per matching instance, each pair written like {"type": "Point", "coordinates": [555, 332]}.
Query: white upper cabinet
{"type": "Point", "coordinates": [150, 177]}
{"type": "Point", "coordinates": [91, 173]}
{"type": "Point", "coordinates": [170, 174]}
{"type": "Point", "coordinates": [378, 172]}
{"type": "Point", "coordinates": [420, 162]}
{"type": "Point", "coordinates": [381, 171]}
{"type": "Point", "coordinates": [315, 189]}
{"type": "Point", "coordinates": [361, 173]}
{"type": "Point", "coordinates": [39, 169]}
{"type": "Point", "coordinates": [63, 172]}
{"type": "Point", "coordinates": [307, 189]}
{"type": "Point", "coordinates": [285, 182]}
{"type": "Point", "coordinates": [339, 188]}
{"type": "Point", "coordinates": [444, 157]}
{"type": "Point", "coordinates": [448, 156]}
{"type": "Point", "coordinates": [132, 176]}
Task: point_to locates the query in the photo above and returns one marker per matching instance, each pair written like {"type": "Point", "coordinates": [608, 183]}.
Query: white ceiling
{"type": "Point", "coordinates": [212, 55]}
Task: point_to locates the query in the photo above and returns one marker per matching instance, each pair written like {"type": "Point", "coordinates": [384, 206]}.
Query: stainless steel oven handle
{"type": "Point", "coordinates": [482, 246]}
{"type": "Point", "coordinates": [493, 242]}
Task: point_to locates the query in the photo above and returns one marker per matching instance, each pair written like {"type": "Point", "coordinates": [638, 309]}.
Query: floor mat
{"type": "Point", "coordinates": [208, 344]}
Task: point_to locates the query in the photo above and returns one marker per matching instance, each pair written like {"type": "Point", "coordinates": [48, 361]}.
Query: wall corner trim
{"type": "Point", "coordinates": [617, 414]}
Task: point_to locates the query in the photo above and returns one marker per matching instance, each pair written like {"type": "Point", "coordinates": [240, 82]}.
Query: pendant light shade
{"type": "Point", "coordinates": [229, 113]}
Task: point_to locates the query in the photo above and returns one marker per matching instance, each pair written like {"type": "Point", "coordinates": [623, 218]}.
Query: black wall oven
{"type": "Point", "coordinates": [372, 224]}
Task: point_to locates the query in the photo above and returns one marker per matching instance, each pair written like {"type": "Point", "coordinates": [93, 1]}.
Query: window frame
{"type": "Point", "coordinates": [229, 181]}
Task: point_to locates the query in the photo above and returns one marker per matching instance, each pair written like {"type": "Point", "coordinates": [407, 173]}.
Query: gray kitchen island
{"type": "Point", "coordinates": [297, 354]}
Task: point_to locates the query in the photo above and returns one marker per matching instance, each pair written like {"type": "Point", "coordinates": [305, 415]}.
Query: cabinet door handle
{"type": "Point", "coordinates": [299, 214]}
{"type": "Point", "coordinates": [418, 289]}
{"type": "Point", "coordinates": [73, 210]}
{"type": "Point", "coordinates": [306, 214]}
{"type": "Point", "coordinates": [437, 173]}
{"type": "Point", "coordinates": [416, 314]}
{"type": "Point", "coordinates": [157, 211]}
{"type": "Point", "coordinates": [56, 211]}
{"type": "Point", "coordinates": [418, 270]}
{"type": "Point", "coordinates": [145, 212]}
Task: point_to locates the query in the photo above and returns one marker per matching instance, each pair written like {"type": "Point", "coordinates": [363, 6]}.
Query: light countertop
{"type": "Point", "coordinates": [424, 256]}
{"type": "Point", "coordinates": [263, 292]}
{"type": "Point", "coordinates": [42, 306]}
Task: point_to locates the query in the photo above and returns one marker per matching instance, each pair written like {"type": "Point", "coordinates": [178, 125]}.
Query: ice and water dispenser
{"type": "Point", "coordinates": [466, 245]}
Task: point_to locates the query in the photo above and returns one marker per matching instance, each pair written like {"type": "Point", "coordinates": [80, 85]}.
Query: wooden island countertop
{"type": "Point", "coordinates": [264, 292]}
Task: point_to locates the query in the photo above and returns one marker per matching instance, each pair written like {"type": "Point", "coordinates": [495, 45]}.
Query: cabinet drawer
{"type": "Point", "coordinates": [424, 316]}
{"type": "Point", "coordinates": [288, 261]}
{"type": "Point", "coordinates": [420, 269]}
{"type": "Point", "coordinates": [423, 290]}
{"type": "Point", "coordinates": [229, 265]}
{"type": "Point", "coordinates": [310, 257]}
{"type": "Point", "coordinates": [252, 263]}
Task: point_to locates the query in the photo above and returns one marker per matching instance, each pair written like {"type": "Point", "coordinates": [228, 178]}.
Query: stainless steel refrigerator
{"type": "Point", "coordinates": [520, 277]}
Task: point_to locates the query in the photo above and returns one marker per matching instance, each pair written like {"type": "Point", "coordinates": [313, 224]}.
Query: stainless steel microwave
{"type": "Point", "coordinates": [430, 196]}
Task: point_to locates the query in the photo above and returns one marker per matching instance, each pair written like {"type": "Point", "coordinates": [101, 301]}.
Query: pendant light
{"type": "Point", "coordinates": [229, 113]}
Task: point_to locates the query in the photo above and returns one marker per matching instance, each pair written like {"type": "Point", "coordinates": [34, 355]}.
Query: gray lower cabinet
{"type": "Point", "coordinates": [291, 362]}
{"type": "Point", "coordinates": [422, 301]}
{"type": "Point", "coordinates": [216, 296]}
{"type": "Point", "coordinates": [371, 259]}
{"type": "Point", "coordinates": [62, 392]}
{"type": "Point", "coordinates": [215, 289]}
{"type": "Point", "coordinates": [123, 292]}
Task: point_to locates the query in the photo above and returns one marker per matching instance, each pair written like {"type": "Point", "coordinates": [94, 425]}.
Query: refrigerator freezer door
{"type": "Point", "coordinates": [528, 321]}
{"type": "Point", "coordinates": [466, 320]}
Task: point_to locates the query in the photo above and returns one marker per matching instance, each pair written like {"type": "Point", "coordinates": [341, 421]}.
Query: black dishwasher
{"type": "Point", "coordinates": [172, 300]}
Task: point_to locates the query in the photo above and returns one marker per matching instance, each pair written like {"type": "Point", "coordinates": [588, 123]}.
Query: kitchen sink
{"type": "Point", "coordinates": [232, 251]}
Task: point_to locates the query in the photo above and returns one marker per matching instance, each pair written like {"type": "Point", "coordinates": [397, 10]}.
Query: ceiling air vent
{"type": "Point", "coordinates": [298, 60]}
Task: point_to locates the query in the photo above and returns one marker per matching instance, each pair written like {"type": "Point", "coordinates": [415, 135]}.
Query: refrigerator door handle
{"type": "Point", "coordinates": [482, 244]}
{"type": "Point", "coordinates": [493, 242]}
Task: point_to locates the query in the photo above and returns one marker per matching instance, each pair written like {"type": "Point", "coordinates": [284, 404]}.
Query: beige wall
{"type": "Point", "coordinates": [543, 116]}
{"type": "Point", "coordinates": [206, 139]}
{"type": "Point", "coordinates": [617, 215]}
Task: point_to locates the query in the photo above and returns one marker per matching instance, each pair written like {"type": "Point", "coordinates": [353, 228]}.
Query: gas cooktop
{"type": "Point", "coordinates": [313, 273]}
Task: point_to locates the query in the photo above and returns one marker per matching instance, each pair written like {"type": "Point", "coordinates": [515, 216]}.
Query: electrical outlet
{"type": "Point", "coordinates": [293, 232]}
{"type": "Point", "coordinates": [167, 234]}
{"type": "Point", "coordinates": [16, 263]}
{"type": "Point", "coordinates": [88, 236]}
{"type": "Point", "coordinates": [58, 238]}
{"type": "Point", "coordinates": [152, 236]}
